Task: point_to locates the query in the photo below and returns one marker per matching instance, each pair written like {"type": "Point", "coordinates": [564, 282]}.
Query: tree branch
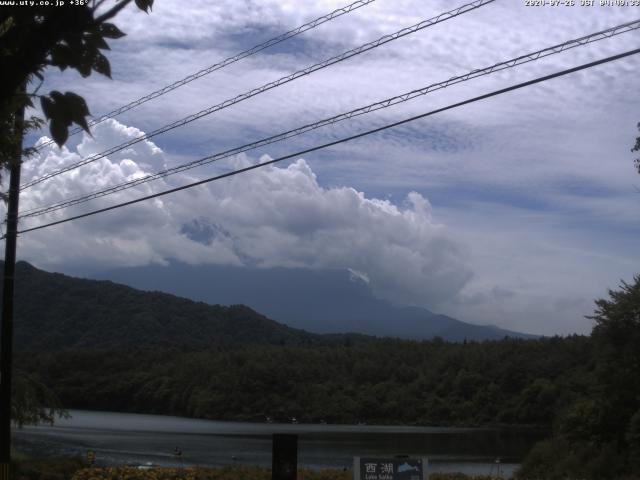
{"type": "Point", "coordinates": [112, 12]}
{"type": "Point", "coordinates": [97, 4]}
{"type": "Point", "coordinates": [35, 91]}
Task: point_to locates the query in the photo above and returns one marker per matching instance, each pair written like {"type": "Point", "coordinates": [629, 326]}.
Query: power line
{"type": "Point", "coordinates": [342, 140]}
{"type": "Point", "coordinates": [256, 91]}
{"type": "Point", "coordinates": [224, 63]}
{"type": "Point", "coordinates": [530, 57]}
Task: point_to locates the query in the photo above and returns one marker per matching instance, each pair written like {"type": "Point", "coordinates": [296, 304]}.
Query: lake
{"type": "Point", "coordinates": [123, 438]}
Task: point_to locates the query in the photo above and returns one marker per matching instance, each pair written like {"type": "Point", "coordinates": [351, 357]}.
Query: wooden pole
{"type": "Point", "coordinates": [284, 462]}
{"type": "Point", "coordinates": [6, 328]}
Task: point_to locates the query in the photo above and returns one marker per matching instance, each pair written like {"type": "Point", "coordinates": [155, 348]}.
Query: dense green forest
{"type": "Point", "coordinates": [375, 381]}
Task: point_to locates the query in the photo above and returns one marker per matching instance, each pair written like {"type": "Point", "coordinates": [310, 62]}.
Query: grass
{"type": "Point", "coordinates": [23, 468]}
{"type": "Point", "coordinates": [229, 473]}
{"type": "Point", "coordinates": [75, 469]}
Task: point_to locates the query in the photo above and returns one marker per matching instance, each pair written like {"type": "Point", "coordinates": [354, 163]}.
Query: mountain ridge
{"type": "Point", "coordinates": [54, 311]}
{"type": "Point", "coordinates": [318, 301]}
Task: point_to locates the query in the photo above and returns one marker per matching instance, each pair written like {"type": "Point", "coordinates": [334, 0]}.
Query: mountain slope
{"type": "Point", "coordinates": [321, 301]}
{"type": "Point", "coordinates": [54, 311]}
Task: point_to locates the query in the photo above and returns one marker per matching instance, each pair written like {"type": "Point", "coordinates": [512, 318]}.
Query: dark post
{"type": "Point", "coordinates": [6, 329]}
{"type": "Point", "coordinates": [284, 463]}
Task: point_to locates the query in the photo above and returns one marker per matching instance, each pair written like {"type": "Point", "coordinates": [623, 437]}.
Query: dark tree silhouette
{"type": "Point", "coordinates": [33, 38]}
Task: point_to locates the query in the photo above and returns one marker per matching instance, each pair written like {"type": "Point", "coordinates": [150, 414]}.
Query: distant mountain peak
{"type": "Point", "coordinates": [316, 300]}
{"type": "Point", "coordinates": [203, 231]}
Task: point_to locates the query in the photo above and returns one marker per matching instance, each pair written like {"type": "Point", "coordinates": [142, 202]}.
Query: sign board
{"type": "Point", "coordinates": [370, 468]}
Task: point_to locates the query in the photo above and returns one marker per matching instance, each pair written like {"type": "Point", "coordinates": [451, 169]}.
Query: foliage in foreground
{"type": "Point", "coordinates": [45, 469]}
{"type": "Point", "coordinates": [598, 436]}
{"type": "Point", "coordinates": [72, 469]}
{"type": "Point", "coordinates": [230, 473]}
{"type": "Point", "coordinates": [35, 38]}
{"type": "Point", "coordinates": [75, 469]}
{"type": "Point", "coordinates": [63, 468]}
{"type": "Point", "coordinates": [32, 402]}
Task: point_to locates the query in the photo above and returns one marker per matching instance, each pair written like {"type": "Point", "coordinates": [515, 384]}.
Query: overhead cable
{"type": "Point", "coordinates": [342, 140]}
{"type": "Point", "coordinates": [530, 57]}
{"type": "Point", "coordinates": [224, 63]}
{"type": "Point", "coordinates": [256, 91]}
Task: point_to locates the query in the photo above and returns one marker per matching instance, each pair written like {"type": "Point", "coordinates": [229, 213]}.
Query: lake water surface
{"type": "Point", "coordinates": [122, 438]}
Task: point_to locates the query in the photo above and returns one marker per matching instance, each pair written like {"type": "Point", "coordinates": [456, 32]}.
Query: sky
{"type": "Point", "coordinates": [517, 211]}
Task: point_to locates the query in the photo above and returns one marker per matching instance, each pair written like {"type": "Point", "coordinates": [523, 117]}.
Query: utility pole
{"type": "Point", "coordinates": [6, 328]}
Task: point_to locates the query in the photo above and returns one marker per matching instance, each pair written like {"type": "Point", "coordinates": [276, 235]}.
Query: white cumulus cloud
{"type": "Point", "coordinates": [273, 216]}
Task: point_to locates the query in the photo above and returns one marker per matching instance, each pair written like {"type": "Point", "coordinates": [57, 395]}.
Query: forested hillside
{"type": "Point", "coordinates": [54, 311]}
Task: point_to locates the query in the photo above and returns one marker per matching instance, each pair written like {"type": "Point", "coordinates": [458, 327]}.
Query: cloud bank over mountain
{"type": "Point", "coordinates": [276, 216]}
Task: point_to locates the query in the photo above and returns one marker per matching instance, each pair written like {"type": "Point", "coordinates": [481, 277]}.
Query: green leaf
{"type": "Point", "coordinates": [61, 56]}
{"type": "Point", "coordinates": [101, 65]}
{"type": "Point", "coordinates": [97, 41]}
{"type": "Point", "coordinates": [109, 30]}
{"type": "Point", "coordinates": [76, 105]}
{"type": "Point", "coordinates": [60, 112]}
{"type": "Point", "coordinates": [144, 5]}
{"type": "Point", "coordinates": [59, 131]}
{"type": "Point", "coordinates": [48, 107]}
{"type": "Point", "coordinates": [84, 125]}
{"type": "Point", "coordinates": [85, 65]}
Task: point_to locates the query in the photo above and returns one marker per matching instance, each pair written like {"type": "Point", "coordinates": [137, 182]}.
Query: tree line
{"type": "Point", "coordinates": [384, 381]}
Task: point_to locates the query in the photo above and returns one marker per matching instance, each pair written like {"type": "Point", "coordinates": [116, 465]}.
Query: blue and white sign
{"type": "Point", "coordinates": [365, 468]}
